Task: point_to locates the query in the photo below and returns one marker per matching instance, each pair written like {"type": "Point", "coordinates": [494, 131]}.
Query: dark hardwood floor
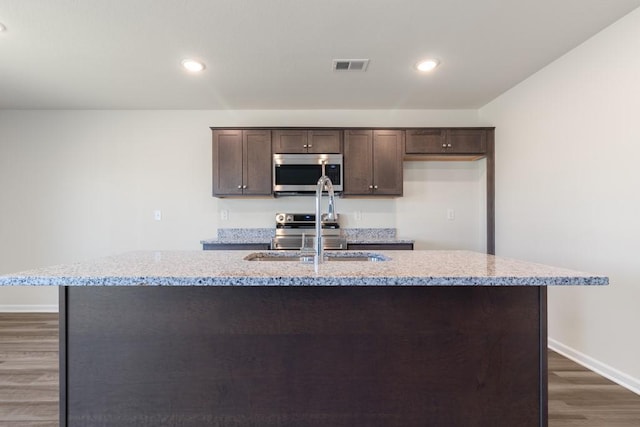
{"type": "Point", "coordinates": [29, 382]}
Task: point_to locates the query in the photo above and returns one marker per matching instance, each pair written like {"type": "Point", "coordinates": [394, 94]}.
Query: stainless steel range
{"type": "Point", "coordinates": [291, 228]}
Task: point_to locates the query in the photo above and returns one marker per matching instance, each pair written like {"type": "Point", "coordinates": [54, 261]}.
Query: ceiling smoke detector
{"type": "Point", "coordinates": [350, 64]}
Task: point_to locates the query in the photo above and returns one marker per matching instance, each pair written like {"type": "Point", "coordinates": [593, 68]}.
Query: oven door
{"type": "Point", "coordinates": [299, 173]}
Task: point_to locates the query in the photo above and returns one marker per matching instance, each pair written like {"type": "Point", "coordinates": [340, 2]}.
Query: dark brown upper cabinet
{"type": "Point", "coordinates": [373, 162]}
{"type": "Point", "coordinates": [467, 141]}
{"type": "Point", "coordinates": [307, 141]}
{"type": "Point", "coordinates": [242, 162]}
{"type": "Point", "coordinates": [421, 141]}
{"type": "Point", "coordinates": [445, 141]}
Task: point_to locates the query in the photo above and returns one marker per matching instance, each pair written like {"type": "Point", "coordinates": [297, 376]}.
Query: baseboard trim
{"type": "Point", "coordinates": [626, 381]}
{"type": "Point", "coordinates": [28, 308]}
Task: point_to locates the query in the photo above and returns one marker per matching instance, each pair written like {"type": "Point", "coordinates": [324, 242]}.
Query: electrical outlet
{"type": "Point", "coordinates": [157, 215]}
{"type": "Point", "coordinates": [224, 215]}
{"type": "Point", "coordinates": [451, 214]}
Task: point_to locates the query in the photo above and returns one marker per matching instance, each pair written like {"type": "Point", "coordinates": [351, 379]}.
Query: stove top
{"type": "Point", "coordinates": [303, 219]}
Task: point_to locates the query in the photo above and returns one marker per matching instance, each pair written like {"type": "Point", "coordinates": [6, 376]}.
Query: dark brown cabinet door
{"type": "Point", "coordinates": [466, 141]}
{"type": "Point", "coordinates": [387, 162]}
{"type": "Point", "coordinates": [241, 162]}
{"type": "Point", "coordinates": [256, 164]}
{"type": "Point", "coordinates": [290, 141]}
{"type": "Point", "coordinates": [227, 162]}
{"type": "Point", "coordinates": [358, 162]}
{"type": "Point", "coordinates": [373, 162]}
{"type": "Point", "coordinates": [307, 141]}
{"type": "Point", "coordinates": [425, 141]}
{"type": "Point", "coordinates": [324, 141]}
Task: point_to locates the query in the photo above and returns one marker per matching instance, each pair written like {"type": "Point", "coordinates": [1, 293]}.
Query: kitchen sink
{"type": "Point", "coordinates": [308, 258]}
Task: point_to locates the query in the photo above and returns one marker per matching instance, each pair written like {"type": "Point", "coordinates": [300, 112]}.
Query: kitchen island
{"type": "Point", "coordinates": [442, 338]}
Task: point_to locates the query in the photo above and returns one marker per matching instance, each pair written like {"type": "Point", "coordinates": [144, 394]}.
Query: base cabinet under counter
{"type": "Point", "coordinates": [380, 246]}
{"type": "Point", "coordinates": [236, 246]}
{"type": "Point", "coordinates": [308, 356]}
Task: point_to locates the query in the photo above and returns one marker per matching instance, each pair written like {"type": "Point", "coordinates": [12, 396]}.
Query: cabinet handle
{"type": "Point", "coordinates": [304, 146]}
{"type": "Point", "coordinates": [375, 186]}
{"type": "Point", "coordinates": [449, 145]}
{"type": "Point", "coordinates": [239, 187]}
{"type": "Point", "coordinates": [244, 186]}
{"type": "Point", "coordinates": [371, 187]}
{"type": "Point", "coordinates": [309, 145]}
{"type": "Point", "coordinates": [444, 145]}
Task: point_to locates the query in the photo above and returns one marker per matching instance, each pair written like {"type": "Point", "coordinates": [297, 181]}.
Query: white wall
{"type": "Point", "coordinates": [568, 191]}
{"type": "Point", "coordinates": [83, 184]}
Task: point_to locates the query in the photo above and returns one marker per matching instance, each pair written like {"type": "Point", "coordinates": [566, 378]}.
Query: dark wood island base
{"type": "Point", "coordinates": [303, 356]}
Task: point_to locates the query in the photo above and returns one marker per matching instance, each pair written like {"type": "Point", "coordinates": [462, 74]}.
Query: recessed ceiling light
{"type": "Point", "coordinates": [193, 65]}
{"type": "Point", "coordinates": [427, 65]}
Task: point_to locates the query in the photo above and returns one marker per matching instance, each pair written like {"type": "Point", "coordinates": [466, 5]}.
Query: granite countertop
{"type": "Point", "coordinates": [229, 268]}
{"type": "Point", "coordinates": [264, 235]}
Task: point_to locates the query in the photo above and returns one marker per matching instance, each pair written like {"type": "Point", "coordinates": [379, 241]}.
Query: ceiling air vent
{"type": "Point", "coordinates": [350, 64]}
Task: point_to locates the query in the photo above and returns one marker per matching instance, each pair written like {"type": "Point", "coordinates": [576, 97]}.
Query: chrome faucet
{"type": "Point", "coordinates": [322, 182]}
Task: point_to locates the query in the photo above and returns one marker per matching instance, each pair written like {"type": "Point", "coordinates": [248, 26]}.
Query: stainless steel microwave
{"type": "Point", "coordinates": [298, 174]}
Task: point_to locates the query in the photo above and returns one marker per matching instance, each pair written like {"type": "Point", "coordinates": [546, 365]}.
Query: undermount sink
{"type": "Point", "coordinates": [308, 258]}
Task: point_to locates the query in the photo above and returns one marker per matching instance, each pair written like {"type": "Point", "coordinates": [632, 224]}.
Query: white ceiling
{"type": "Point", "coordinates": [277, 54]}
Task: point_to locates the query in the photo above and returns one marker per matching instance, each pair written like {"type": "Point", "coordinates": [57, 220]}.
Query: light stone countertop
{"type": "Point", "coordinates": [229, 268]}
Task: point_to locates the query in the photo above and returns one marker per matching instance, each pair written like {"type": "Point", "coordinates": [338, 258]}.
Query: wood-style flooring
{"type": "Point", "coordinates": [579, 397]}
{"type": "Point", "coordinates": [29, 382]}
{"type": "Point", "coordinates": [28, 370]}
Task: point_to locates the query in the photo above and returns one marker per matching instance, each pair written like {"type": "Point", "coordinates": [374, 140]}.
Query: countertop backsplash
{"type": "Point", "coordinates": [264, 235]}
{"type": "Point", "coordinates": [245, 235]}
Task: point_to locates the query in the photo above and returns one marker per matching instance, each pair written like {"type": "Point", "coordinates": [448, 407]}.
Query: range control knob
{"type": "Point", "coordinates": [279, 217]}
